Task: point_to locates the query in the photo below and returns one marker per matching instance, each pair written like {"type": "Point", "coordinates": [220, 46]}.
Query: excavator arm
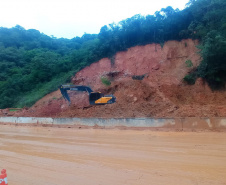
{"type": "Point", "coordinates": [95, 98]}
{"type": "Point", "coordinates": [65, 88]}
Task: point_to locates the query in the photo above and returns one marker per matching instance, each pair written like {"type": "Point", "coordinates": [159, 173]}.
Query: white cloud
{"type": "Point", "coordinates": [70, 18]}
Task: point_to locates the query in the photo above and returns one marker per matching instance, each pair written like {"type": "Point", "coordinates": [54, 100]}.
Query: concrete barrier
{"type": "Point", "coordinates": [26, 120]}
{"type": "Point", "coordinates": [186, 124]}
{"type": "Point", "coordinates": [118, 122]}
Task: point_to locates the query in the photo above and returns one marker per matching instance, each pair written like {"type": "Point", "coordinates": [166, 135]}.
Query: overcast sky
{"type": "Point", "coordinates": [71, 18]}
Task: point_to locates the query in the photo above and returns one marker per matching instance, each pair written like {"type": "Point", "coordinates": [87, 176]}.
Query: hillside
{"type": "Point", "coordinates": [33, 64]}
{"type": "Point", "coordinates": [161, 93]}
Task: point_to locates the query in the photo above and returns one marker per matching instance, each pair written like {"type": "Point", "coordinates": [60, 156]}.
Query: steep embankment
{"type": "Point", "coordinates": [161, 93]}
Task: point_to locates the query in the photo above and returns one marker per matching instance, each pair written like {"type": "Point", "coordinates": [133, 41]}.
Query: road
{"type": "Point", "coordinates": [69, 156]}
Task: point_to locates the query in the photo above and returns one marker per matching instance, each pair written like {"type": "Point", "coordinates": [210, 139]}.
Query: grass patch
{"type": "Point", "coordinates": [105, 81]}
{"type": "Point", "coordinates": [188, 63]}
{"type": "Point", "coordinates": [13, 109]}
{"type": "Point", "coordinates": [28, 99]}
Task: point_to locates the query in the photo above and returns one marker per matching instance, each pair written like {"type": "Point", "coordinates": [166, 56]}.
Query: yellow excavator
{"type": "Point", "coordinates": [95, 98]}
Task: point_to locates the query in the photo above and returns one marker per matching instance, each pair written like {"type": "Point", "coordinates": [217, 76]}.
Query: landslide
{"type": "Point", "coordinates": [147, 82]}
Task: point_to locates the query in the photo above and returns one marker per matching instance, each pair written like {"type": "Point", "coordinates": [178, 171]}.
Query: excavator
{"type": "Point", "coordinates": [95, 98]}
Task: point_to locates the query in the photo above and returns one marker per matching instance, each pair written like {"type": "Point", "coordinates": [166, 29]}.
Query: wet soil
{"type": "Point", "coordinates": [160, 93]}
{"type": "Point", "coordinates": [37, 155]}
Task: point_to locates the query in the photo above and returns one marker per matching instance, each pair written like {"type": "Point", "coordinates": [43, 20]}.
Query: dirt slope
{"type": "Point", "coordinates": [161, 93]}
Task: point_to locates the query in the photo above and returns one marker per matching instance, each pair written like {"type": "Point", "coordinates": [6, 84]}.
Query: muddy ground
{"type": "Point", "coordinates": [37, 155]}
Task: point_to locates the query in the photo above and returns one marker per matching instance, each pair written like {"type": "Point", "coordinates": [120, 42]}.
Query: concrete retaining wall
{"type": "Point", "coordinates": [189, 124]}
{"type": "Point", "coordinates": [25, 120]}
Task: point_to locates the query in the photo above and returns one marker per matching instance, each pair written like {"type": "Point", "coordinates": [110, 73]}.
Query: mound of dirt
{"type": "Point", "coordinates": [147, 82]}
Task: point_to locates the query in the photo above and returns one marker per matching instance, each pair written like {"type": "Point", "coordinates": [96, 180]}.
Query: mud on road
{"type": "Point", "coordinates": [55, 156]}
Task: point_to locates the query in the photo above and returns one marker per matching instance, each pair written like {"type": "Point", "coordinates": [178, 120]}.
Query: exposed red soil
{"type": "Point", "coordinates": [161, 93]}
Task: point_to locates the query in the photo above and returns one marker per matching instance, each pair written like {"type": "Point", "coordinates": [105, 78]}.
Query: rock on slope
{"type": "Point", "coordinates": [160, 93]}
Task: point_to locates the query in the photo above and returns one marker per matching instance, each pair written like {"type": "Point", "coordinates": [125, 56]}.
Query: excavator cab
{"type": "Point", "coordinates": [95, 98]}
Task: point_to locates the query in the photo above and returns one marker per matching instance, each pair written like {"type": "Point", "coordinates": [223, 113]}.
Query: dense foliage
{"type": "Point", "coordinates": [209, 25]}
{"type": "Point", "coordinates": [33, 64]}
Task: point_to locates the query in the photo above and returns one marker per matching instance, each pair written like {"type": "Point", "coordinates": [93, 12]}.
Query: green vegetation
{"type": "Point", "coordinates": [14, 109]}
{"type": "Point", "coordinates": [188, 63]}
{"type": "Point", "coordinates": [190, 79]}
{"type": "Point", "coordinates": [105, 81]}
{"type": "Point", "coordinates": [209, 26]}
{"type": "Point", "coordinates": [33, 64]}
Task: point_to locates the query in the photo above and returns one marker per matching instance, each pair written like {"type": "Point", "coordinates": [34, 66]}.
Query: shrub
{"type": "Point", "coordinates": [188, 63]}
{"type": "Point", "coordinates": [105, 81]}
{"type": "Point", "coordinates": [190, 79]}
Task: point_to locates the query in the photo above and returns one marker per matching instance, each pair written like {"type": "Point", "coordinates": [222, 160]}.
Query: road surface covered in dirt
{"type": "Point", "coordinates": [37, 155]}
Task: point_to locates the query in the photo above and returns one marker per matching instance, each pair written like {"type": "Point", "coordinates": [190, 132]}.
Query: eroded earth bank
{"type": "Point", "coordinates": [147, 82]}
